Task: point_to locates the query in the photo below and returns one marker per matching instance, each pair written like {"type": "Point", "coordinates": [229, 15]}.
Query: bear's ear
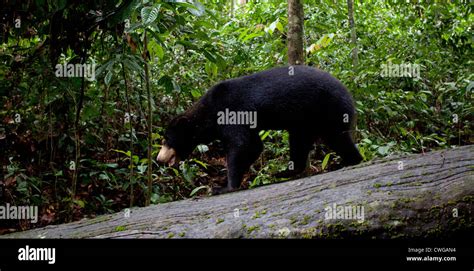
{"type": "Point", "coordinates": [181, 121]}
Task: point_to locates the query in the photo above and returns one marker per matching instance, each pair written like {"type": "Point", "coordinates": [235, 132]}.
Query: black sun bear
{"type": "Point", "coordinates": [309, 103]}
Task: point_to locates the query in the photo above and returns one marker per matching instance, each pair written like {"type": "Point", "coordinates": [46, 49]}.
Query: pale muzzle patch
{"type": "Point", "coordinates": [167, 155]}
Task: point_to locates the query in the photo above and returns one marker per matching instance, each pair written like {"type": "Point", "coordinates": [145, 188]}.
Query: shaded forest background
{"type": "Point", "coordinates": [78, 148]}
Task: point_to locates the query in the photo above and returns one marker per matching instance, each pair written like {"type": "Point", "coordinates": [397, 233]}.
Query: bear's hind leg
{"type": "Point", "coordinates": [344, 146]}
{"type": "Point", "coordinates": [301, 144]}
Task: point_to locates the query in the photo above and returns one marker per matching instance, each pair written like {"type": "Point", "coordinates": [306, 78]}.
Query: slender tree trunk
{"type": "Point", "coordinates": [77, 141]}
{"type": "Point", "coordinates": [150, 117]}
{"type": "Point", "coordinates": [129, 109]}
{"type": "Point", "coordinates": [355, 57]}
{"type": "Point", "coordinates": [295, 32]}
{"type": "Point", "coordinates": [106, 117]}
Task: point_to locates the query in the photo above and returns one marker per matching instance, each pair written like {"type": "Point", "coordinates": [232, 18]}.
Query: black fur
{"type": "Point", "coordinates": [310, 104]}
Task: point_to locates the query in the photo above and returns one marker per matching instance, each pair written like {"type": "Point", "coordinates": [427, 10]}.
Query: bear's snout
{"type": "Point", "coordinates": [167, 155]}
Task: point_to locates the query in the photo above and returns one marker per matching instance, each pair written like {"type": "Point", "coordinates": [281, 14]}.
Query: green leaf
{"type": "Point", "coordinates": [202, 148]}
{"type": "Point", "coordinates": [154, 198]}
{"type": "Point", "coordinates": [166, 82]}
{"type": "Point", "coordinates": [188, 45]}
{"type": "Point", "coordinates": [243, 33]}
{"type": "Point", "coordinates": [251, 36]}
{"type": "Point", "coordinates": [103, 176]}
{"type": "Point", "coordinates": [142, 168]}
{"type": "Point", "coordinates": [176, 86]}
{"type": "Point", "coordinates": [175, 171]}
{"type": "Point", "coordinates": [156, 49]}
{"type": "Point", "coordinates": [367, 141]}
{"type": "Point", "coordinates": [195, 93]}
{"type": "Point", "coordinates": [264, 134]}
{"type": "Point", "coordinates": [271, 27]}
{"type": "Point", "coordinates": [133, 64]}
{"type": "Point", "coordinates": [211, 69]}
{"type": "Point", "coordinates": [322, 42]}
{"type": "Point", "coordinates": [195, 190]}
{"type": "Point", "coordinates": [159, 51]}
{"type": "Point", "coordinates": [136, 159]}
{"type": "Point", "coordinates": [221, 62]}
{"type": "Point", "coordinates": [108, 78]}
{"type": "Point", "coordinates": [209, 56]}
{"type": "Point", "coordinates": [188, 173]}
{"type": "Point", "coordinates": [106, 66]}
{"type": "Point", "coordinates": [128, 153]}
{"type": "Point", "coordinates": [279, 26]}
{"type": "Point", "coordinates": [89, 112]}
{"type": "Point", "coordinates": [204, 165]}
{"type": "Point", "coordinates": [79, 203]}
{"type": "Point", "coordinates": [383, 150]}
{"type": "Point", "coordinates": [149, 14]}
{"type": "Point", "coordinates": [197, 9]}
{"type": "Point", "coordinates": [325, 161]}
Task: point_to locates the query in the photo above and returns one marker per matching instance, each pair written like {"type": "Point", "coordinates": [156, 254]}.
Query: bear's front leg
{"type": "Point", "coordinates": [240, 156]}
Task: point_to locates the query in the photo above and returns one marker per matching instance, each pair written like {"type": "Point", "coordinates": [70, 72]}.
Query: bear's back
{"type": "Point", "coordinates": [283, 95]}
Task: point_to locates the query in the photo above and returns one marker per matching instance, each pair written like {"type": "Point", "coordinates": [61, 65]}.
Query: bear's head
{"type": "Point", "coordinates": [178, 141]}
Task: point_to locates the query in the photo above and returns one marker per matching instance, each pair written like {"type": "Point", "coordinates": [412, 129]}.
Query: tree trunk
{"type": "Point", "coordinates": [421, 195]}
{"type": "Point", "coordinates": [150, 123]}
{"type": "Point", "coordinates": [295, 32]}
{"type": "Point", "coordinates": [355, 56]}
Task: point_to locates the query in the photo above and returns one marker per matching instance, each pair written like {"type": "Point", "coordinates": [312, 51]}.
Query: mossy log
{"type": "Point", "coordinates": [421, 195]}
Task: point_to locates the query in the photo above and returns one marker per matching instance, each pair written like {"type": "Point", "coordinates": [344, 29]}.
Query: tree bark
{"type": "Point", "coordinates": [150, 122]}
{"type": "Point", "coordinates": [295, 32]}
{"type": "Point", "coordinates": [421, 195]}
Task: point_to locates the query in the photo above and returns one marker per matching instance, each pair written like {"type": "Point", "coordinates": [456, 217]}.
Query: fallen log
{"type": "Point", "coordinates": [421, 195]}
